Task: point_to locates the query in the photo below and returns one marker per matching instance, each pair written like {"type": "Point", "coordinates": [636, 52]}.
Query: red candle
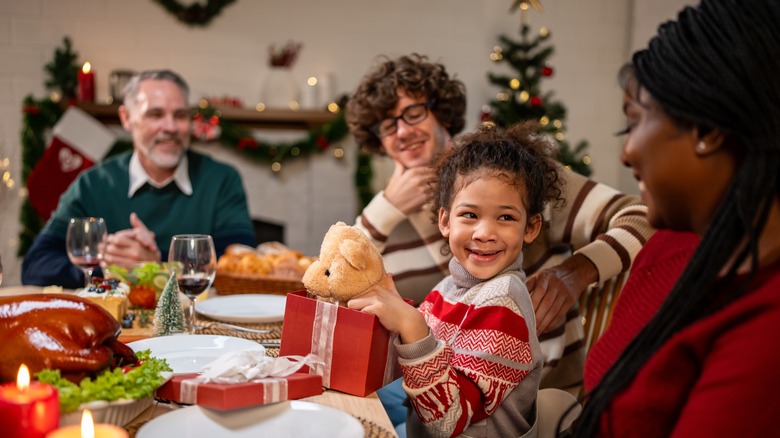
{"type": "Point", "coordinates": [86, 83]}
{"type": "Point", "coordinates": [28, 410]}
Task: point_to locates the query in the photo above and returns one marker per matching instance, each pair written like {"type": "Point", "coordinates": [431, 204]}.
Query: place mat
{"type": "Point", "coordinates": [372, 429]}
{"type": "Point", "coordinates": [213, 327]}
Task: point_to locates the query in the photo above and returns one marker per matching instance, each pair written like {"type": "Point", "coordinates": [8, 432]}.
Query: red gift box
{"type": "Point", "coordinates": [184, 389]}
{"type": "Point", "coordinates": [358, 351]}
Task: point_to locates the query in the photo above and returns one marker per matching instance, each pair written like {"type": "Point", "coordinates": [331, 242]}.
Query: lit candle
{"type": "Point", "coordinates": [28, 409]}
{"type": "Point", "coordinates": [86, 83]}
{"type": "Point", "coordinates": [88, 429]}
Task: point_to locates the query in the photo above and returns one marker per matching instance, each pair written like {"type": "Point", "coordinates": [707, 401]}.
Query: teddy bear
{"type": "Point", "coordinates": [348, 265]}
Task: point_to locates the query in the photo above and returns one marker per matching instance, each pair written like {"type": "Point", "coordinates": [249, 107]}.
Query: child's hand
{"type": "Point", "coordinates": [393, 312]}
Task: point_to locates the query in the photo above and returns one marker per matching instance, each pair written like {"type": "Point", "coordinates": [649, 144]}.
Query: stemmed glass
{"type": "Point", "coordinates": [193, 258]}
{"type": "Point", "coordinates": [84, 243]}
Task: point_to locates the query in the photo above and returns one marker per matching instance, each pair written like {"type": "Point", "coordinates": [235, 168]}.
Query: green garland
{"type": "Point", "coordinates": [195, 14]}
{"type": "Point", "coordinates": [231, 134]}
{"type": "Point", "coordinates": [42, 115]}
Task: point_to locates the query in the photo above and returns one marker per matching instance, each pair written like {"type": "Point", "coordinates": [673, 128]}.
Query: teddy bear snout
{"type": "Point", "coordinates": [327, 272]}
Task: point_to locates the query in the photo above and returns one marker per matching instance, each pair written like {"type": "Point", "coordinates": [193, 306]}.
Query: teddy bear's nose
{"type": "Point", "coordinates": [327, 272]}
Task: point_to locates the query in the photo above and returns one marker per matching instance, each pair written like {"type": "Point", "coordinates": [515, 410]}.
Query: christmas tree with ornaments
{"type": "Point", "coordinates": [520, 96]}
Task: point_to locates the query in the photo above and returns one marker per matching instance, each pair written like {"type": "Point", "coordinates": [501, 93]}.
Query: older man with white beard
{"type": "Point", "coordinates": [146, 196]}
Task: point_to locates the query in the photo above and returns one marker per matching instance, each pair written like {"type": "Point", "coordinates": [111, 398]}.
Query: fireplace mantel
{"type": "Point", "coordinates": [248, 118]}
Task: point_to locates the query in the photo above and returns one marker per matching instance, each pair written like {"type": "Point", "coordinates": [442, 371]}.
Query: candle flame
{"type": "Point", "coordinates": [87, 425]}
{"type": "Point", "coordinates": [87, 67]}
{"type": "Point", "coordinates": [23, 378]}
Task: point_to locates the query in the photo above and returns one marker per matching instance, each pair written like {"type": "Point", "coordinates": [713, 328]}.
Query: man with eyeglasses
{"type": "Point", "coordinates": [408, 109]}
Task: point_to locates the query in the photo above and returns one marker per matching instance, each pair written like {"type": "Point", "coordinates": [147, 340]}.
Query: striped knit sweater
{"type": "Point", "coordinates": [478, 371]}
{"type": "Point", "coordinates": [597, 221]}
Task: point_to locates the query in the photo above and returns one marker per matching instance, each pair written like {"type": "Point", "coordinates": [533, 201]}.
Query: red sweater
{"type": "Point", "coordinates": [717, 377]}
{"type": "Point", "coordinates": [655, 270]}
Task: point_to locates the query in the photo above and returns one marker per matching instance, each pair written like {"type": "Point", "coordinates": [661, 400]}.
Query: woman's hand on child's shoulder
{"type": "Point", "coordinates": [393, 312]}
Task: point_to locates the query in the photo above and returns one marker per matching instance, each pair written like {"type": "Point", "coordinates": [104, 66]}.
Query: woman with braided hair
{"type": "Point", "coordinates": [702, 105]}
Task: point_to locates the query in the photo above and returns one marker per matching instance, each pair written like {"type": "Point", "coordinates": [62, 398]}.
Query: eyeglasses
{"type": "Point", "coordinates": [411, 115]}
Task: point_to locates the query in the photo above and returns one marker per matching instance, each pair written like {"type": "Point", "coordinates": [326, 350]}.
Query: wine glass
{"type": "Point", "coordinates": [83, 242]}
{"type": "Point", "coordinates": [193, 258]}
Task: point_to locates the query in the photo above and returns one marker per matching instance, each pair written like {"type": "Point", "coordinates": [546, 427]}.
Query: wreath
{"type": "Point", "coordinates": [195, 14]}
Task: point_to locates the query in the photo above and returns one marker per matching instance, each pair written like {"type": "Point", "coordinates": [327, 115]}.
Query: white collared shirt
{"type": "Point", "coordinates": [138, 176]}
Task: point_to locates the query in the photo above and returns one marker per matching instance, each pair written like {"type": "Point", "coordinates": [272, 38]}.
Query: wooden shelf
{"type": "Point", "coordinates": [248, 118]}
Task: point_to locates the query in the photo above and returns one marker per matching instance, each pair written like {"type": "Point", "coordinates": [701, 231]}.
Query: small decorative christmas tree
{"type": "Point", "coordinates": [169, 316]}
{"type": "Point", "coordinates": [520, 97]}
{"type": "Point", "coordinates": [63, 71]}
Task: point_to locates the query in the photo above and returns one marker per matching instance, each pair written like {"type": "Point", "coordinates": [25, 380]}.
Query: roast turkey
{"type": "Point", "coordinates": [62, 332]}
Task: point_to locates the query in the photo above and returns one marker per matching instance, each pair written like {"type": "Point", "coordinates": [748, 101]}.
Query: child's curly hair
{"type": "Point", "coordinates": [377, 95]}
{"type": "Point", "coordinates": [519, 153]}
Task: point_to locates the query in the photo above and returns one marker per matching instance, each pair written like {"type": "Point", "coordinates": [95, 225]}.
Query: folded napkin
{"type": "Point", "coordinates": [243, 366]}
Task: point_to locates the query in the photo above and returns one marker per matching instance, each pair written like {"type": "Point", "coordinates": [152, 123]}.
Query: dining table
{"type": "Point", "coordinates": [367, 410]}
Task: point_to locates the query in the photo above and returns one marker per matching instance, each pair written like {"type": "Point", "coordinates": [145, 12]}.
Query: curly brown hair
{"type": "Point", "coordinates": [377, 96]}
{"type": "Point", "coordinates": [518, 152]}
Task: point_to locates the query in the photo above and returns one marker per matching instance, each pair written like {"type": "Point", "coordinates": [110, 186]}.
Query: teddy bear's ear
{"type": "Point", "coordinates": [354, 253]}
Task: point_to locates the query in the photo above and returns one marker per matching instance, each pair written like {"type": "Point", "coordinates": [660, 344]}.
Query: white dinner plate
{"type": "Point", "coordinates": [243, 308]}
{"type": "Point", "coordinates": [286, 419]}
{"type": "Point", "coordinates": [190, 353]}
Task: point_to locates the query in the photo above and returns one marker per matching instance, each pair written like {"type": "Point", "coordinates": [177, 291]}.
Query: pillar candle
{"type": "Point", "coordinates": [310, 98]}
{"type": "Point", "coordinates": [89, 429]}
{"type": "Point", "coordinates": [28, 409]}
{"type": "Point", "coordinates": [86, 83]}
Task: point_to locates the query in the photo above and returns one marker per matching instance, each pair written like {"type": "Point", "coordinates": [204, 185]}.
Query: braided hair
{"type": "Point", "coordinates": [715, 67]}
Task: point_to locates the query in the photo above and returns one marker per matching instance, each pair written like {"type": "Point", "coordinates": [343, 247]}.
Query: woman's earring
{"type": "Point", "coordinates": [701, 147]}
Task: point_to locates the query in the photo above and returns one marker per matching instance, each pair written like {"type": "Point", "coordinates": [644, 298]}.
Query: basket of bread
{"type": "Point", "coordinates": [271, 268]}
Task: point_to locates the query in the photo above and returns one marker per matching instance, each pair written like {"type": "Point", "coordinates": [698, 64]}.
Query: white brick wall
{"type": "Point", "coordinates": [341, 37]}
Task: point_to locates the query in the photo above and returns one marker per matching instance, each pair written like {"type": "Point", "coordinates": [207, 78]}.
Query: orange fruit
{"type": "Point", "coordinates": [143, 296]}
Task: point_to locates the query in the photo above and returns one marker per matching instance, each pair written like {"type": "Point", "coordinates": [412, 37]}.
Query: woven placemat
{"type": "Point", "coordinates": [374, 430]}
{"type": "Point", "coordinates": [212, 327]}
{"type": "Point", "coordinates": [209, 326]}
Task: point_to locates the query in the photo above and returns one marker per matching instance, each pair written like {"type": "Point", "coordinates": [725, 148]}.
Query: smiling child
{"type": "Point", "coordinates": [470, 356]}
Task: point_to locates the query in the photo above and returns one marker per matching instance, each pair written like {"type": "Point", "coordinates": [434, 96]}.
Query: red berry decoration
{"type": "Point", "coordinates": [547, 71]}
{"type": "Point", "coordinates": [536, 101]}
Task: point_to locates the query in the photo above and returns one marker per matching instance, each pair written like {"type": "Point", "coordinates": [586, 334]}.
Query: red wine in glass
{"type": "Point", "coordinates": [83, 242]}
{"type": "Point", "coordinates": [193, 259]}
{"type": "Point", "coordinates": [85, 262]}
{"type": "Point", "coordinates": [192, 285]}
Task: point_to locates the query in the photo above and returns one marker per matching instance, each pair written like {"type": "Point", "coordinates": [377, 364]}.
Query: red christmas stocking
{"type": "Point", "coordinates": [79, 141]}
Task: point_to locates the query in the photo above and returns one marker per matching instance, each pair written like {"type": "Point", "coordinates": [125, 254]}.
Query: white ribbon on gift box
{"type": "Point", "coordinates": [322, 338]}
{"type": "Point", "coordinates": [322, 344]}
{"type": "Point", "coordinates": [248, 366]}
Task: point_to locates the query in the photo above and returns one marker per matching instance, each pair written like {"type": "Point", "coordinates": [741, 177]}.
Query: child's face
{"type": "Point", "coordinates": [488, 225]}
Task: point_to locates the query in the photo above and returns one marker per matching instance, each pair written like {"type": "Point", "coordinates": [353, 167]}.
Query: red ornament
{"type": "Point", "coordinates": [32, 110]}
{"type": "Point", "coordinates": [322, 142]}
{"type": "Point", "coordinates": [247, 143]}
{"type": "Point", "coordinates": [536, 101]}
{"type": "Point", "coordinates": [547, 71]}
{"type": "Point", "coordinates": [206, 130]}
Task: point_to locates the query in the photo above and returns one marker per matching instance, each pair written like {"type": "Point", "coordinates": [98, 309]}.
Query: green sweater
{"type": "Point", "coordinates": [217, 207]}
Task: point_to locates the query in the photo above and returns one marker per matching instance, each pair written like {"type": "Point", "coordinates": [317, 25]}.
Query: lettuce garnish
{"type": "Point", "coordinates": [121, 383]}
